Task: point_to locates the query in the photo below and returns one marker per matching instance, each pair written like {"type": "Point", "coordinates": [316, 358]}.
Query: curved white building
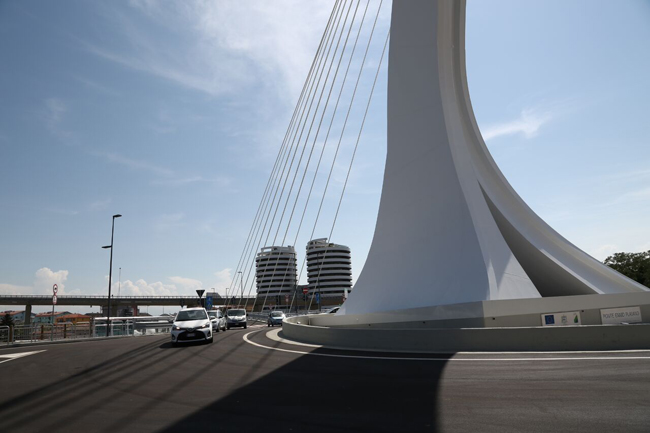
{"type": "Point", "coordinates": [329, 269]}
{"type": "Point", "coordinates": [276, 271]}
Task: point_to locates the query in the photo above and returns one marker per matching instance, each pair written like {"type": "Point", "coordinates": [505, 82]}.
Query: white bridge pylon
{"type": "Point", "coordinates": [450, 228]}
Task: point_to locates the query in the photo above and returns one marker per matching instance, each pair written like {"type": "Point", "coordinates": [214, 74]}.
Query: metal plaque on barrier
{"type": "Point", "coordinates": [615, 316]}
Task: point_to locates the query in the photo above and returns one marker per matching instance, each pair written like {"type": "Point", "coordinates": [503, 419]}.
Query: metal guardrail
{"type": "Point", "coordinates": [87, 330]}
{"type": "Point", "coordinates": [4, 334]}
{"type": "Point", "coordinates": [100, 297]}
{"type": "Point", "coordinates": [263, 317]}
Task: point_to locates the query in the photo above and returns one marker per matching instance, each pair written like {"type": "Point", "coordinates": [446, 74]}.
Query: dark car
{"type": "Point", "coordinates": [275, 318]}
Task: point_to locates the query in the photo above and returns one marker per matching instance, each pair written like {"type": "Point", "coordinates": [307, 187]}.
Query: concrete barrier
{"type": "Point", "coordinates": [449, 340]}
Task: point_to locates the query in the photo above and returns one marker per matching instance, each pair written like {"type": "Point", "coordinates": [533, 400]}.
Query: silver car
{"type": "Point", "coordinates": [191, 324]}
{"type": "Point", "coordinates": [218, 320]}
{"type": "Point", "coordinates": [275, 318]}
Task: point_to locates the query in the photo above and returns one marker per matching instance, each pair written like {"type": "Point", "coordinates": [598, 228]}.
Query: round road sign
{"type": "Point", "coordinates": [55, 289]}
{"type": "Point", "coordinates": [305, 290]}
{"type": "Point", "coordinates": [54, 300]}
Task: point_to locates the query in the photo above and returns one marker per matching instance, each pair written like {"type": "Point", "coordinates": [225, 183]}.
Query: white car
{"type": "Point", "coordinates": [218, 320]}
{"type": "Point", "coordinates": [192, 324]}
{"type": "Point", "coordinates": [236, 317]}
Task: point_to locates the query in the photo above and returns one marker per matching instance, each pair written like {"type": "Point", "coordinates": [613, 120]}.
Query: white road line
{"type": "Point", "coordinates": [273, 334]}
{"type": "Point", "coordinates": [12, 356]}
{"type": "Point", "coordinates": [452, 359]}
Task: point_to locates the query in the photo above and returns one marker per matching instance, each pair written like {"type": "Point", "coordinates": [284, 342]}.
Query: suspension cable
{"type": "Point", "coordinates": [342, 133]}
{"type": "Point", "coordinates": [273, 202]}
{"type": "Point", "coordinates": [324, 111]}
{"type": "Point", "coordinates": [273, 174]}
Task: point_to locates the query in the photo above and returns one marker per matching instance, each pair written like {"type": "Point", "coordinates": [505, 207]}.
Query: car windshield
{"type": "Point", "coordinates": [277, 314]}
{"type": "Point", "coordinates": [184, 316]}
{"type": "Point", "coordinates": [236, 312]}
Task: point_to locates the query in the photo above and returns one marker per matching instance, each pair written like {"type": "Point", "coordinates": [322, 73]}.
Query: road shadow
{"type": "Point", "coordinates": [88, 388]}
{"type": "Point", "coordinates": [169, 345]}
{"type": "Point", "coordinates": [329, 394]}
{"type": "Point", "coordinates": [227, 386]}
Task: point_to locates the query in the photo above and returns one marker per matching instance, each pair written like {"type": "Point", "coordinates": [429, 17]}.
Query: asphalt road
{"type": "Point", "coordinates": [143, 384]}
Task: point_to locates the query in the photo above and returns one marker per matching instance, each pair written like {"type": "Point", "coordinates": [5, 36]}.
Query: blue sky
{"type": "Point", "coordinates": [172, 114]}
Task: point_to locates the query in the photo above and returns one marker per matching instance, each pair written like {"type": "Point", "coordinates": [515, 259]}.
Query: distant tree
{"type": "Point", "coordinates": [633, 265]}
{"type": "Point", "coordinates": [7, 320]}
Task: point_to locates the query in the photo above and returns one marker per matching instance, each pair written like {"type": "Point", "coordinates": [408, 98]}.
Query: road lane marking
{"type": "Point", "coordinates": [12, 356]}
{"type": "Point", "coordinates": [452, 359]}
{"type": "Point", "coordinates": [273, 334]}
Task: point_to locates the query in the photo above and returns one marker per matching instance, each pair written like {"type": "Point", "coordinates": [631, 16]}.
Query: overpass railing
{"type": "Point", "coordinates": [44, 332]}
{"type": "Point", "coordinates": [120, 327]}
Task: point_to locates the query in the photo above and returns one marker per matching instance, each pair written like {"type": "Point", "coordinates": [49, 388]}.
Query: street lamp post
{"type": "Point", "coordinates": [241, 284]}
{"type": "Point", "coordinates": [110, 275]}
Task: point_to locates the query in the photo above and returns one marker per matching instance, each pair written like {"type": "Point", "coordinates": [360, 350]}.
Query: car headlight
{"type": "Point", "coordinates": [207, 325]}
{"type": "Point", "coordinates": [176, 328]}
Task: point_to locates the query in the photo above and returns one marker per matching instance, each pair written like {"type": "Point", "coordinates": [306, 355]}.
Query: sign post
{"type": "Point", "coordinates": [55, 290]}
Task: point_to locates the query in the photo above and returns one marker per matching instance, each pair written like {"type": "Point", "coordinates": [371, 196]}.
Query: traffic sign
{"type": "Point", "coordinates": [305, 290]}
{"type": "Point", "coordinates": [200, 292]}
{"type": "Point", "coordinates": [55, 289]}
{"type": "Point", "coordinates": [318, 298]}
{"type": "Point", "coordinates": [208, 302]}
{"type": "Point", "coordinates": [53, 299]}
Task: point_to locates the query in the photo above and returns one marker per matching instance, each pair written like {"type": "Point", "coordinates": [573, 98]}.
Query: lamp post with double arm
{"type": "Point", "coordinates": [110, 275]}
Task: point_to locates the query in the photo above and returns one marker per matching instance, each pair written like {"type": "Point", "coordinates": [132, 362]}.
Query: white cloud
{"type": "Point", "coordinates": [133, 164]}
{"type": "Point", "coordinates": [187, 283]}
{"type": "Point", "coordinates": [603, 251]}
{"type": "Point", "coordinates": [169, 221]}
{"type": "Point", "coordinates": [44, 279]}
{"type": "Point", "coordinates": [180, 286]}
{"type": "Point", "coordinates": [90, 84]}
{"type": "Point", "coordinates": [99, 204]}
{"type": "Point", "coordinates": [230, 45]}
{"type": "Point", "coordinates": [223, 280]}
{"type": "Point", "coordinates": [56, 108]}
{"type": "Point", "coordinates": [142, 288]}
{"type": "Point", "coordinates": [220, 181]}
{"type": "Point", "coordinates": [54, 111]}
{"type": "Point", "coordinates": [13, 289]}
{"type": "Point", "coordinates": [528, 124]}
{"type": "Point", "coordinates": [642, 194]}
{"type": "Point", "coordinates": [61, 211]}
